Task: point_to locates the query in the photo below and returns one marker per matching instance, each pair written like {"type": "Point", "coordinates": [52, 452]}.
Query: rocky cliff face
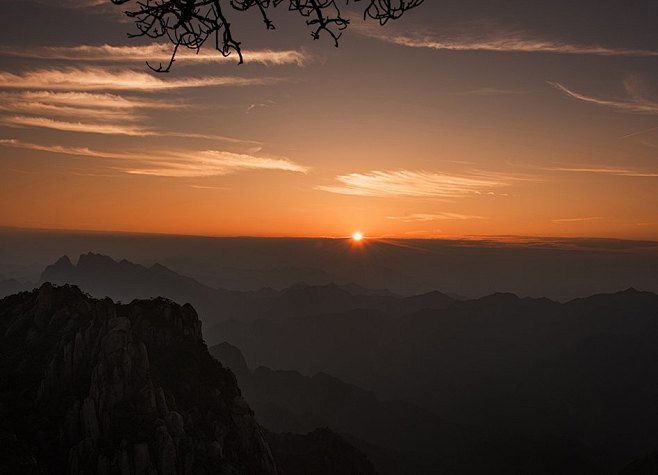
{"type": "Point", "coordinates": [91, 386]}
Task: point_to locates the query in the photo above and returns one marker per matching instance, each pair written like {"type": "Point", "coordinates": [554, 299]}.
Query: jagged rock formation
{"type": "Point", "coordinates": [90, 386]}
{"type": "Point", "coordinates": [102, 276]}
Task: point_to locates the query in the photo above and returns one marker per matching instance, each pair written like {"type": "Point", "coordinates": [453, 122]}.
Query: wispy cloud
{"type": "Point", "coordinates": [629, 172]}
{"type": "Point", "coordinates": [415, 184]}
{"type": "Point", "coordinates": [503, 42]}
{"type": "Point", "coordinates": [153, 53]}
{"type": "Point", "coordinates": [78, 3]}
{"type": "Point", "coordinates": [640, 132]}
{"type": "Point", "coordinates": [77, 105]}
{"type": "Point", "coordinates": [116, 128]}
{"type": "Point", "coordinates": [88, 100]}
{"type": "Point", "coordinates": [212, 163]}
{"type": "Point", "coordinates": [86, 127]}
{"type": "Point", "coordinates": [208, 187]}
{"type": "Point", "coordinates": [96, 79]}
{"type": "Point", "coordinates": [488, 91]}
{"type": "Point", "coordinates": [635, 104]}
{"type": "Point", "coordinates": [98, 7]}
{"type": "Point", "coordinates": [576, 220]}
{"type": "Point", "coordinates": [88, 112]}
{"type": "Point", "coordinates": [423, 217]}
{"type": "Point", "coordinates": [64, 150]}
{"type": "Point", "coordinates": [171, 163]}
{"type": "Point", "coordinates": [65, 111]}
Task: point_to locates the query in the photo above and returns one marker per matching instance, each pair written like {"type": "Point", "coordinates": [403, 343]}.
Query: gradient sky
{"type": "Point", "coordinates": [465, 117]}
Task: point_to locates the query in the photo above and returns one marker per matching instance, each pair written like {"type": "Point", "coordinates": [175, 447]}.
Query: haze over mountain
{"type": "Point", "coordinates": [558, 268]}
{"type": "Point", "coordinates": [102, 276]}
{"type": "Point", "coordinates": [582, 371]}
{"type": "Point", "coordinates": [426, 243]}
{"type": "Point", "coordinates": [575, 372]}
{"type": "Point", "coordinates": [399, 437]}
{"type": "Point", "coordinates": [90, 386]}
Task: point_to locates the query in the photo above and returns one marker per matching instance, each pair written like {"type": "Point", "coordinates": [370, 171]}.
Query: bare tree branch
{"type": "Point", "coordinates": [191, 23]}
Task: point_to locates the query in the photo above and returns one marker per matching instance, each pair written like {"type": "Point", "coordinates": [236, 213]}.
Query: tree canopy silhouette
{"type": "Point", "coordinates": [192, 23]}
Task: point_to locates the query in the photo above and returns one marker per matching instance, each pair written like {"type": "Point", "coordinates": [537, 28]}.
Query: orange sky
{"type": "Point", "coordinates": [500, 122]}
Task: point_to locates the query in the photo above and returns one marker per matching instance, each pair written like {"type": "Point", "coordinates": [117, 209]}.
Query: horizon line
{"type": "Point", "coordinates": [513, 238]}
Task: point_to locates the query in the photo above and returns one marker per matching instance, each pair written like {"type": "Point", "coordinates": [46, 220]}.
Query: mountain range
{"type": "Point", "coordinates": [584, 371]}
{"type": "Point", "coordinates": [572, 382]}
{"type": "Point", "coordinates": [399, 437]}
{"type": "Point", "coordinates": [554, 267]}
{"type": "Point", "coordinates": [123, 280]}
{"type": "Point", "coordinates": [90, 386]}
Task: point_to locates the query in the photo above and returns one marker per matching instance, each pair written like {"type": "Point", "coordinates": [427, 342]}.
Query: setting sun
{"type": "Point", "coordinates": [357, 236]}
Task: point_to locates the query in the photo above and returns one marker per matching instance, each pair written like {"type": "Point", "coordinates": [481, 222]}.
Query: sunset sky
{"type": "Point", "coordinates": [464, 117]}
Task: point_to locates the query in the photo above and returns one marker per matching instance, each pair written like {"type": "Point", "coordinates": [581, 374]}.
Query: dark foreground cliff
{"type": "Point", "coordinates": [90, 386]}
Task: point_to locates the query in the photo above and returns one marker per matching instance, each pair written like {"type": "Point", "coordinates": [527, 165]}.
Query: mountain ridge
{"type": "Point", "coordinates": [82, 372]}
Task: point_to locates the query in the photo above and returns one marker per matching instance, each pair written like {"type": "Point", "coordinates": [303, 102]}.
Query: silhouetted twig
{"type": "Point", "coordinates": [190, 23]}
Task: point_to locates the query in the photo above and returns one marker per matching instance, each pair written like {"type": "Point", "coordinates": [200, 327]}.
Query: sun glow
{"type": "Point", "coordinates": [357, 236]}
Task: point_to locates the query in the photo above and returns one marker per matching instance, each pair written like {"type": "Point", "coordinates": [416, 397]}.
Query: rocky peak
{"type": "Point", "coordinates": [99, 387]}
{"type": "Point", "coordinates": [62, 270]}
{"type": "Point", "coordinates": [91, 259]}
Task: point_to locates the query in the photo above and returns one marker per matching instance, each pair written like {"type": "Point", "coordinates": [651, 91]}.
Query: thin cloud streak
{"type": "Point", "coordinates": [78, 3]}
{"type": "Point", "coordinates": [96, 128]}
{"type": "Point", "coordinates": [207, 187]}
{"type": "Point", "coordinates": [79, 106]}
{"type": "Point", "coordinates": [110, 129]}
{"type": "Point", "coordinates": [504, 42]}
{"type": "Point", "coordinates": [213, 163]}
{"type": "Point", "coordinates": [82, 111]}
{"type": "Point", "coordinates": [414, 184]}
{"type": "Point", "coordinates": [95, 78]}
{"type": "Point", "coordinates": [89, 100]}
{"type": "Point", "coordinates": [424, 217]}
{"type": "Point", "coordinates": [640, 132]}
{"type": "Point", "coordinates": [70, 112]}
{"type": "Point", "coordinates": [172, 163]}
{"type": "Point", "coordinates": [153, 52]}
{"type": "Point", "coordinates": [109, 114]}
{"type": "Point", "coordinates": [605, 171]}
{"type": "Point", "coordinates": [576, 220]}
{"type": "Point", "coordinates": [637, 105]}
{"type": "Point", "coordinates": [488, 91]}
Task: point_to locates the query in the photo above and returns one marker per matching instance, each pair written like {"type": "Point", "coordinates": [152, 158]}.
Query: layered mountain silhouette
{"type": "Point", "coordinates": [90, 386]}
{"type": "Point", "coordinates": [122, 280]}
{"type": "Point", "coordinates": [583, 371]}
{"type": "Point", "coordinates": [399, 437]}
{"type": "Point", "coordinates": [513, 381]}
{"type": "Point", "coordinates": [559, 268]}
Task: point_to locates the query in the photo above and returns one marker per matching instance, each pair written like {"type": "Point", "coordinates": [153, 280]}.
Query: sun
{"type": "Point", "coordinates": [357, 236]}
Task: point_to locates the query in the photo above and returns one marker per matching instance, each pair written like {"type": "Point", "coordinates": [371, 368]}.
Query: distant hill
{"type": "Point", "coordinates": [583, 371]}
{"type": "Point", "coordinates": [102, 276]}
{"type": "Point", "coordinates": [578, 373]}
{"type": "Point", "coordinates": [398, 436]}
{"type": "Point", "coordinates": [558, 268]}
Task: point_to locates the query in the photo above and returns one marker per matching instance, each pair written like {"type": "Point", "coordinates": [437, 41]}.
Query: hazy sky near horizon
{"type": "Point", "coordinates": [464, 117]}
